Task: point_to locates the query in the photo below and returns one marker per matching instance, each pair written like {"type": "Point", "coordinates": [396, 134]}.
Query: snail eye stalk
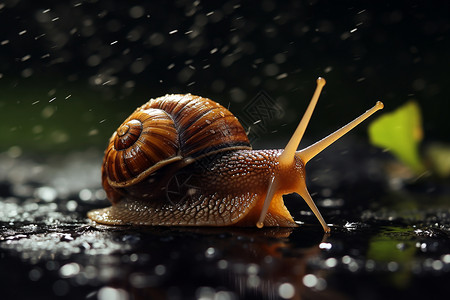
{"type": "Point", "coordinates": [287, 157]}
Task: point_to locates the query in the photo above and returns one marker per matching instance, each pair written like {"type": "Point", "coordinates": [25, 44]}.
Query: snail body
{"type": "Point", "coordinates": [184, 160]}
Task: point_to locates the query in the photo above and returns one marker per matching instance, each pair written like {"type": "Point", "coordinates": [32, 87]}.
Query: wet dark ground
{"type": "Point", "coordinates": [389, 239]}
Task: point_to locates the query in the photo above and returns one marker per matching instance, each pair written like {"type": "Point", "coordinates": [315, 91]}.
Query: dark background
{"type": "Point", "coordinates": [70, 72]}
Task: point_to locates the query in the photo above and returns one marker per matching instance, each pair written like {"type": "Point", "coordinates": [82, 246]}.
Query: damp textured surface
{"type": "Point", "coordinates": [374, 250]}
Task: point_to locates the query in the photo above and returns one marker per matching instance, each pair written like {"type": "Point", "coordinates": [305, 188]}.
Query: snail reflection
{"type": "Point", "coordinates": [231, 184]}
{"type": "Point", "coordinates": [246, 263]}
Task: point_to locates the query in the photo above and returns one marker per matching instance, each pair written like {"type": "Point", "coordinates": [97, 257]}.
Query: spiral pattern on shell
{"type": "Point", "coordinates": [165, 130]}
{"type": "Point", "coordinates": [145, 140]}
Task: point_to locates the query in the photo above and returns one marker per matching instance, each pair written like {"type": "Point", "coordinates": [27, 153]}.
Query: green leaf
{"type": "Point", "coordinates": [400, 132]}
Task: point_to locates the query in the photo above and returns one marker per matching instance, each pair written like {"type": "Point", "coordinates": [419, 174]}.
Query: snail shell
{"type": "Point", "coordinates": [163, 132]}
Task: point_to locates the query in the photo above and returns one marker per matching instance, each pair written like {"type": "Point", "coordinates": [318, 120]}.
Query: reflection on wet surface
{"type": "Point", "coordinates": [382, 248]}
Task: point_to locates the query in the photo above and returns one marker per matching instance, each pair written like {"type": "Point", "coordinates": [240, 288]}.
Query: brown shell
{"type": "Point", "coordinates": [165, 130]}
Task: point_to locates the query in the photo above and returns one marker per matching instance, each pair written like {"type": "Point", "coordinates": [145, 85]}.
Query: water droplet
{"type": "Point", "coordinates": [27, 72]}
{"type": "Point", "coordinates": [85, 194]}
{"type": "Point", "coordinates": [222, 264]}
{"type": "Point", "coordinates": [109, 293]}
{"type": "Point", "coordinates": [437, 265]}
{"type": "Point", "coordinates": [14, 152]}
{"type": "Point", "coordinates": [326, 246]}
{"type": "Point", "coordinates": [46, 193]}
{"type": "Point", "coordinates": [282, 76]}
{"type": "Point", "coordinates": [271, 70]}
{"type": "Point", "coordinates": [252, 269]}
{"type": "Point", "coordinates": [136, 12]}
{"type": "Point", "coordinates": [370, 265]}
{"type": "Point", "coordinates": [69, 270]}
{"type": "Point", "coordinates": [210, 252]}
{"type": "Point", "coordinates": [160, 270]}
{"type": "Point", "coordinates": [238, 94]}
{"type": "Point", "coordinates": [26, 57]}
{"type": "Point", "coordinates": [134, 257]}
{"type": "Point", "coordinates": [48, 111]}
{"type": "Point", "coordinates": [100, 194]}
{"type": "Point", "coordinates": [94, 60]}
{"type": "Point", "coordinates": [287, 290]}
{"type": "Point", "coordinates": [392, 266]}
{"type": "Point", "coordinates": [331, 262]}
{"type": "Point", "coordinates": [328, 69]}
{"type": "Point", "coordinates": [253, 281]}
{"type": "Point", "coordinates": [137, 66]}
{"type": "Point", "coordinates": [35, 274]}
{"type": "Point", "coordinates": [71, 205]}
{"type": "Point", "coordinates": [346, 259]}
{"type": "Point", "coordinates": [446, 258]}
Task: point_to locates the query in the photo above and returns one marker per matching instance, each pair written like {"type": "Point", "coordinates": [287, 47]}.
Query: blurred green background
{"type": "Point", "coordinates": [71, 72]}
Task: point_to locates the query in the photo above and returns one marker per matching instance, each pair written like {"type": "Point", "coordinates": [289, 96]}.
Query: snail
{"type": "Point", "coordinates": [185, 160]}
